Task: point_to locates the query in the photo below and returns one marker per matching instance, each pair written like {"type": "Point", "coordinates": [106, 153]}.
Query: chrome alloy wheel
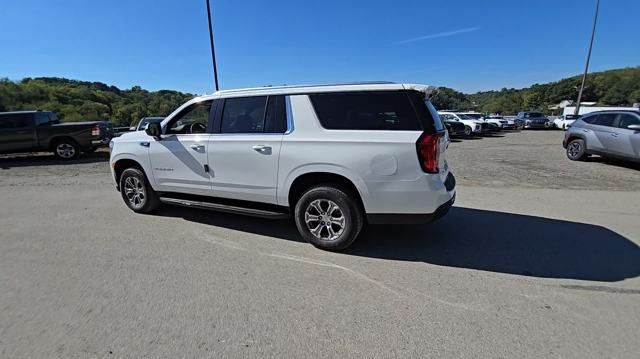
{"type": "Point", "coordinates": [135, 192]}
{"type": "Point", "coordinates": [574, 149]}
{"type": "Point", "coordinates": [65, 150]}
{"type": "Point", "coordinates": [324, 219]}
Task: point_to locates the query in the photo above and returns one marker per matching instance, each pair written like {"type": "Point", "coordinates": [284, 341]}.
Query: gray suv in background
{"type": "Point", "coordinates": [614, 134]}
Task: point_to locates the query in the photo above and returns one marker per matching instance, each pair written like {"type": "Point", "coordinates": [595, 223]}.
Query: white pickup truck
{"type": "Point", "coordinates": [333, 157]}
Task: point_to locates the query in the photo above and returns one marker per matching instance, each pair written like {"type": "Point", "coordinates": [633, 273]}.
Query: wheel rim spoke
{"type": "Point", "coordinates": [325, 219]}
{"type": "Point", "coordinates": [311, 217]}
{"type": "Point", "coordinates": [316, 231]}
{"type": "Point", "coordinates": [134, 191]}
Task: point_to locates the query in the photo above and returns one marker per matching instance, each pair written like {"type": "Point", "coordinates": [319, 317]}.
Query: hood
{"type": "Point", "coordinates": [133, 135]}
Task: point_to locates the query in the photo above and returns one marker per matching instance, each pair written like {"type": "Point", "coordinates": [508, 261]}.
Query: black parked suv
{"type": "Point", "coordinates": [534, 120]}
{"type": "Point", "coordinates": [454, 128]}
{"type": "Point", "coordinates": [34, 131]}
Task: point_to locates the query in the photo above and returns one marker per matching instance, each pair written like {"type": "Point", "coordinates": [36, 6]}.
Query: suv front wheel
{"type": "Point", "coordinates": [328, 217]}
{"type": "Point", "coordinates": [136, 191]}
{"type": "Point", "coordinates": [576, 150]}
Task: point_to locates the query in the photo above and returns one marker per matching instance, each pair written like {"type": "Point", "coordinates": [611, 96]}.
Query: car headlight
{"type": "Point", "coordinates": [111, 144]}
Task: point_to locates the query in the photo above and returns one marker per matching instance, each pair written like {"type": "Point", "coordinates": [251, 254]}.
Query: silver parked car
{"type": "Point", "coordinates": [614, 134]}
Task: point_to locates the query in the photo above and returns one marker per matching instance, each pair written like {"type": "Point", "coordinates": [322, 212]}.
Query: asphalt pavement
{"type": "Point", "coordinates": [539, 258]}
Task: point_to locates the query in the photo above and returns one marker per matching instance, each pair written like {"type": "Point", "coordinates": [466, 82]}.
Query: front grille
{"type": "Point", "coordinates": [484, 125]}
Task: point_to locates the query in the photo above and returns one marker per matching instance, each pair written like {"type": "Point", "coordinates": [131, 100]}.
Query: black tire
{"type": "Point", "coordinates": [66, 149]}
{"type": "Point", "coordinates": [348, 209]}
{"type": "Point", "coordinates": [576, 150]}
{"type": "Point", "coordinates": [467, 131]}
{"type": "Point", "coordinates": [136, 191]}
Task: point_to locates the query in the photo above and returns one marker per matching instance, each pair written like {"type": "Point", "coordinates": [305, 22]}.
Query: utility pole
{"type": "Point", "coordinates": [213, 52]}
{"type": "Point", "coordinates": [586, 67]}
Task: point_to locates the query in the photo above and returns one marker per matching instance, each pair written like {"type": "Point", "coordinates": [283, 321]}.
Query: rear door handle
{"type": "Point", "coordinates": [614, 134]}
{"type": "Point", "coordinates": [262, 149]}
{"type": "Point", "coordinates": [197, 147]}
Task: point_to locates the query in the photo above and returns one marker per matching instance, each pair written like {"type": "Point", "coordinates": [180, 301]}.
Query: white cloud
{"type": "Point", "coordinates": [439, 34]}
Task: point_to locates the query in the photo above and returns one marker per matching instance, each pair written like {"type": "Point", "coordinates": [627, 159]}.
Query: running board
{"type": "Point", "coordinates": [224, 208]}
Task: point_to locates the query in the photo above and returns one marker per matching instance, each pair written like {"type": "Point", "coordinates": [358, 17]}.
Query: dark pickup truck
{"type": "Point", "coordinates": [35, 131]}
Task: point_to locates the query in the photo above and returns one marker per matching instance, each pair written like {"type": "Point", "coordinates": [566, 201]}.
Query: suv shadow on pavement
{"type": "Point", "coordinates": [48, 159]}
{"type": "Point", "coordinates": [474, 239]}
{"type": "Point", "coordinates": [615, 162]}
{"type": "Point", "coordinates": [508, 243]}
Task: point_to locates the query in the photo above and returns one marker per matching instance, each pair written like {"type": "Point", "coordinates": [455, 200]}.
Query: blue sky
{"type": "Point", "coordinates": [469, 45]}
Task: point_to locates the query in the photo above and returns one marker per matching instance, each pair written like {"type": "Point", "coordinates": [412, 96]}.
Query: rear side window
{"type": "Point", "coordinates": [589, 119]}
{"type": "Point", "coordinates": [260, 114]}
{"type": "Point", "coordinates": [626, 120]}
{"type": "Point", "coordinates": [383, 110]}
{"type": "Point", "coordinates": [15, 121]}
{"type": "Point", "coordinates": [244, 115]}
{"type": "Point", "coordinates": [42, 118]}
{"type": "Point", "coordinates": [605, 119]}
{"type": "Point", "coordinates": [275, 120]}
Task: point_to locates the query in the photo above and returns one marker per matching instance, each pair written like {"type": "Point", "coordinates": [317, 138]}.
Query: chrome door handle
{"type": "Point", "coordinates": [197, 147]}
{"type": "Point", "coordinates": [614, 134]}
{"type": "Point", "coordinates": [262, 149]}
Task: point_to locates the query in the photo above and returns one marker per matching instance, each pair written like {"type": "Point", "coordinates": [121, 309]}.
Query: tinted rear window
{"type": "Point", "coordinates": [383, 110]}
{"type": "Point", "coordinates": [19, 120]}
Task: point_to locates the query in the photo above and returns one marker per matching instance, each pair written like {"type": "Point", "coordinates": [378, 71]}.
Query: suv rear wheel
{"type": "Point", "coordinates": [576, 150]}
{"type": "Point", "coordinates": [328, 217]}
{"type": "Point", "coordinates": [136, 191]}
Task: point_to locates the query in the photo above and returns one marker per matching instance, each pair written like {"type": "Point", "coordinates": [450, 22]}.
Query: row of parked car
{"type": "Point", "coordinates": [475, 123]}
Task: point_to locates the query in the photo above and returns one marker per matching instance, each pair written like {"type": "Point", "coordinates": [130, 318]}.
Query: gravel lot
{"type": "Point", "coordinates": [539, 258]}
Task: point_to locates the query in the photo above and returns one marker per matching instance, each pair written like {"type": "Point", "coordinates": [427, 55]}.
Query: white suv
{"type": "Point", "coordinates": [333, 157]}
{"type": "Point", "coordinates": [472, 126]}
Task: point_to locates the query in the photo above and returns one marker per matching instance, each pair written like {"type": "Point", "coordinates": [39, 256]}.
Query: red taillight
{"type": "Point", "coordinates": [428, 147]}
{"type": "Point", "coordinates": [95, 131]}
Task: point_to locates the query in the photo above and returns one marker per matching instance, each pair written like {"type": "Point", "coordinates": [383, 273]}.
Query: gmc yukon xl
{"type": "Point", "coordinates": [333, 157]}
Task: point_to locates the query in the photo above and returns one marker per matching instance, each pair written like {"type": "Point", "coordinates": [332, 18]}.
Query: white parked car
{"type": "Point", "coordinates": [565, 121]}
{"type": "Point", "coordinates": [472, 126]}
{"type": "Point", "coordinates": [503, 123]}
{"type": "Point", "coordinates": [333, 157]}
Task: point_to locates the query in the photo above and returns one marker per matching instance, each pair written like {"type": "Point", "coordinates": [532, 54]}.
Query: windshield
{"type": "Point", "coordinates": [534, 114]}
{"type": "Point", "coordinates": [465, 117]}
{"type": "Point", "coordinates": [474, 115]}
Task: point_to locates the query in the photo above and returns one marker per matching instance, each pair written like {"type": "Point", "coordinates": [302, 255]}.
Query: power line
{"type": "Point", "coordinates": [586, 67]}
{"type": "Point", "coordinates": [213, 52]}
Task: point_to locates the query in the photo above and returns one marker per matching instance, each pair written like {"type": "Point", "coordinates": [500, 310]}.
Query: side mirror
{"type": "Point", "coordinates": [634, 127]}
{"type": "Point", "coordinates": [154, 130]}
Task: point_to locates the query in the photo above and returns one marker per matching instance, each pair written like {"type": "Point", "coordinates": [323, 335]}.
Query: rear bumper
{"type": "Point", "coordinates": [416, 218]}
{"type": "Point", "coordinates": [412, 218]}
